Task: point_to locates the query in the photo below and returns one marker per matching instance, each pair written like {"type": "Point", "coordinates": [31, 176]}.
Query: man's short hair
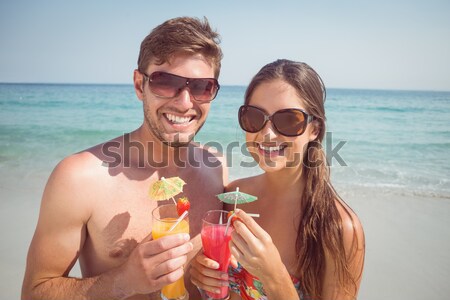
{"type": "Point", "coordinates": [181, 35]}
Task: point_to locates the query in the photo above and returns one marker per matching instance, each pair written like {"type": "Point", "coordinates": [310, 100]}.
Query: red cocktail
{"type": "Point", "coordinates": [215, 238]}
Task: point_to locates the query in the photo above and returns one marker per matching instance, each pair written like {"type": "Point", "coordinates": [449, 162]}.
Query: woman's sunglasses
{"type": "Point", "coordinates": [288, 122]}
{"type": "Point", "coordinates": [166, 85]}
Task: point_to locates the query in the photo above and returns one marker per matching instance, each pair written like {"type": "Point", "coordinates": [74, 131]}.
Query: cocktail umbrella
{"type": "Point", "coordinates": [236, 197]}
{"type": "Point", "coordinates": [166, 188]}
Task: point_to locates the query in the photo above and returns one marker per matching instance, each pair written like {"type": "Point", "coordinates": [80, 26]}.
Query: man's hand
{"type": "Point", "coordinates": [154, 264]}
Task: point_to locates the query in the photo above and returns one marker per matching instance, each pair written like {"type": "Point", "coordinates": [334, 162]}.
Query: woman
{"type": "Point", "coordinates": [307, 243]}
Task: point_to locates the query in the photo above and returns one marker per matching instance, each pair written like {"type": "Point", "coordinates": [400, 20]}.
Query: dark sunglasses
{"type": "Point", "coordinates": [166, 85]}
{"type": "Point", "coordinates": [288, 122]}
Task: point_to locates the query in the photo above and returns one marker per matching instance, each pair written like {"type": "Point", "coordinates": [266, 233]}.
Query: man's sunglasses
{"type": "Point", "coordinates": [166, 85]}
{"type": "Point", "coordinates": [288, 122]}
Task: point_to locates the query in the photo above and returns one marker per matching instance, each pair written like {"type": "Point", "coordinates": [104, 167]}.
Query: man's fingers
{"type": "Point", "coordinates": [170, 266]}
{"type": "Point", "coordinates": [171, 277]}
{"type": "Point", "coordinates": [160, 245]}
{"type": "Point", "coordinates": [180, 251]}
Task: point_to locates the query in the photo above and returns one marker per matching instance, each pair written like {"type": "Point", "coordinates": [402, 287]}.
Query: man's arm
{"type": "Point", "coordinates": [59, 238]}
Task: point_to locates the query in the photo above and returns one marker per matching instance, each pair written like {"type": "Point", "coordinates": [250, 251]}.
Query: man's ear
{"type": "Point", "coordinates": [314, 130]}
{"type": "Point", "coordinates": [138, 80]}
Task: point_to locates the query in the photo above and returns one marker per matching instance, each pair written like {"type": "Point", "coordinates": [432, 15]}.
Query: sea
{"type": "Point", "coordinates": [387, 139]}
{"type": "Point", "coordinates": [387, 151]}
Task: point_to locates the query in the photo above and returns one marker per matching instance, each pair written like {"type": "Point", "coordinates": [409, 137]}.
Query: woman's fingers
{"type": "Point", "coordinates": [207, 283]}
{"type": "Point", "coordinates": [240, 243]}
{"type": "Point", "coordinates": [236, 252]}
{"type": "Point", "coordinates": [211, 273]}
{"type": "Point", "coordinates": [208, 267]}
{"type": "Point", "coordinates": [251, 245]}
{"type": "Point", "coordinates": [233, 262]}
{"type": "Point", "coordinates": [207, 262]}
{"type": "Point", "coordinates": [205, 275]}
{"type": "Point", "coordinates": [252, 226]}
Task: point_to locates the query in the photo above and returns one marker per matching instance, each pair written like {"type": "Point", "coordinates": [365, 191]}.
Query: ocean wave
{"type": "Point", "coordinates": [399, 177]}
{"type": "Point", "coordinates": [392, 109]}
{"type": "Point", "coordinates": [385, 189]}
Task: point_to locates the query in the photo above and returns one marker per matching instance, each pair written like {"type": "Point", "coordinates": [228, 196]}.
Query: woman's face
{"type": "Point", "coordinates": [272, 150]}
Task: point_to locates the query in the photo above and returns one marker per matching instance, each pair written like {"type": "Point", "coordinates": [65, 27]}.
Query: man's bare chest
{"type": "Point", "coordinates": [122, 218]}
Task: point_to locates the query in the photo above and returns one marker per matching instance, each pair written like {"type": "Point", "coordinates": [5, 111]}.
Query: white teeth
{"type": "Point", "coordinates": [271, 149]}
{"type": "Point", "coordinates": [177, 119]}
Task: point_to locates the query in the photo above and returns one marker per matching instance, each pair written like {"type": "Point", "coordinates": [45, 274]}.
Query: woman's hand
{"type": "Point", "coordinates": [253, 248]}
{"type": "Point", "coordinates": [204, 274]}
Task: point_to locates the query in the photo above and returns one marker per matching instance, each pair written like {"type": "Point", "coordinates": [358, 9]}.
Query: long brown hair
{"type": "Point", "coordinates": [181, 35]}
{"type": "Point", "coordinates": [320, 231]}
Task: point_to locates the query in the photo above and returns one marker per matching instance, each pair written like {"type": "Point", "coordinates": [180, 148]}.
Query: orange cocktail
{"type": "Point", "coordinates": [164, 217]}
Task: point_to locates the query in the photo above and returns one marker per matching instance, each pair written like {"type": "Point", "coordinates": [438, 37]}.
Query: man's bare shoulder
{"type": "Point", "coordinates": [84, 163]}
{"type": "Point", "coordinates": [210, 160]}
{"type": "Point", "coordinates": [77, 183]}
{"type": "Point", "coordinates": [211, 155]}
{"type": "Point", "coordinates": [80, 170]}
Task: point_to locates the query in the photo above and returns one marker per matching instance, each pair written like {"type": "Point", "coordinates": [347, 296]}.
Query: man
{"type": "Point", "coordinates": [95, 206]}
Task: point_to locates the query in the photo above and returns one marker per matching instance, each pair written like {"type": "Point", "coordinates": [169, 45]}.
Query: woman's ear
{"type": "Point", "coordinates": [314, 130]}
{"type": "Point", "coordinates": [138, 80]}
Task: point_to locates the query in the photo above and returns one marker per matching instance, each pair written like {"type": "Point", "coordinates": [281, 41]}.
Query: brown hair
{"type": "Point", "coordinates": [320, 230]}
{"type": "Point", "coordinates": [181, 35]}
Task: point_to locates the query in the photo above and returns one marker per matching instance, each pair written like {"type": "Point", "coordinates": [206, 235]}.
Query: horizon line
{"type": "Point", "coordinates": [236, 85]}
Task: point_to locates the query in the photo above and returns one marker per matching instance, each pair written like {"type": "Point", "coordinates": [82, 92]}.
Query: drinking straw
{"type": "Point", "coordinates": [235, 199]}
{"type": "Point", "coordinates": [180, 218]}
{"type": "Point", "coordinates": [229, 222]}
{"type": "Point", "coordinates": [254, 215]}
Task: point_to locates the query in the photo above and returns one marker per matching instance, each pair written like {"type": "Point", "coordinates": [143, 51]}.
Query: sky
{"type": "Point", "coordinates": [384, 44]}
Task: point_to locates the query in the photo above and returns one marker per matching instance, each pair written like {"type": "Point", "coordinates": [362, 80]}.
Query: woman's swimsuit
{"type": "Point", "coordinates": [249, 287]}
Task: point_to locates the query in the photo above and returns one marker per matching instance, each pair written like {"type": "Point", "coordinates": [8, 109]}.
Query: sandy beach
{"type": "Point", "coordinates": [407, 245]}
{"type": "Point", "coordinates": [407, 241]}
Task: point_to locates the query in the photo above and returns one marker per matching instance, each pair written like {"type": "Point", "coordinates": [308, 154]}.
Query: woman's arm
{"type": "Point", "coordinates": [354, 245]}
{"type": "Point", "coordinates": [254, 250]}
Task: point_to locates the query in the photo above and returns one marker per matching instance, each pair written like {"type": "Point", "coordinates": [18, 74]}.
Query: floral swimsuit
{"type": "Point", "coordinates": [249, 287]}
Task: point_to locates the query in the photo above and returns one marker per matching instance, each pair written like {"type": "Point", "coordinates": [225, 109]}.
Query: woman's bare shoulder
{"type": "Point", "coordinates": [246, 185]}
{"type": "Point", "coordinates": [352, 227]}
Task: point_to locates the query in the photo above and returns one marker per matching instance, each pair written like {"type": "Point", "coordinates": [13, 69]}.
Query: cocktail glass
{"type": "Point", "coordinates": [215, 238]}
{"type": "Point", "coordinates": [164, 217]}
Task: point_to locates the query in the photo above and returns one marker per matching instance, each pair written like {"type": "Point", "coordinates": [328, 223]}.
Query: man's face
{"type": "Point", "coordinates": [175, 121]}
